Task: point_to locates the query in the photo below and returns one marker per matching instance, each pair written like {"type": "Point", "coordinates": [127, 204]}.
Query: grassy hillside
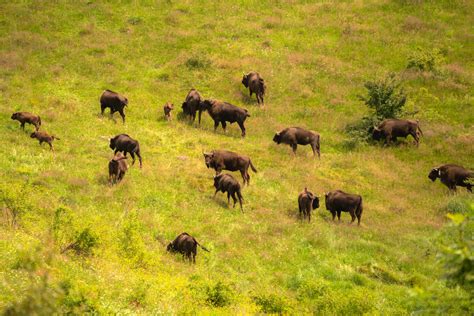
{"type": "Point", "coordinates": [57, 57]}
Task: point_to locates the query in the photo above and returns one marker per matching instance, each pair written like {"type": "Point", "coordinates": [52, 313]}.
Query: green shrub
{"type": "Point", "coordinates": [272, 304]}
{"type": "Point", "coordinates": [425, 60]}
{"type": "Point", "coordinates": [218, 295]}
{"type": "Point", "coordinates": [131, 244]}
{"type": "Point", "coordinates": [83, 243]}
{"type": "Point", "coordinates": [457, 205]}
{"type": "Point", "coordinates": [197, 63]}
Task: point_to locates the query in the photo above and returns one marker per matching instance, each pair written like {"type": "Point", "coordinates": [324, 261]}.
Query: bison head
{"type": "Point", "coordinates": [14, 116]}
{"type": "Point", "coordinates": [245, 80]}
{"type": "Point", "coordinates": [170, 247]}
{"type": "Point", "coordinates": [208, 158]}
{"type": "Point", "coordinates": [206, 104]}
{"type": "Point", "coordinates": [277, 138]}
{"type": "Point", "coordinates": [33, 135]}
{"type": "Point", "coordinates": [434, 174]}
{"type": "Point", "coordinates": [112, 143]}
{"type": "Point", "coordinates": [377, 133]}
{"type": "Point", "coordinates": [315, 203]}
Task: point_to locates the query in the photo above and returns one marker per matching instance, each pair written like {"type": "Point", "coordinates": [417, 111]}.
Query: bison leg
{"type": "Point", "coordinates": [352, 213]}
{"type": "Point", "coordinates": [199, 116]}
{"type": "Point", "coordinates": [139, 158]}
{"type": "Point", "coordinates": [333, 215]}
{"type": "Point", "coordinates": [122, 115]}
{"type": "Point", "coordinates": [224, 125]}
{"type": "Point", "coordinates": [308, 212]}
{"type": "Point", "coordinates": [300, 211]}
{"type": "Point", "coordinates": [102, 108]}
{"type": "Point", "coordinates": [133, 157]}
{"type": "Point", "coordinates": [228, 199]}
{"type": "Point", "coordinates": [469, 188]}
{"type": "Point", "coordinates": [250, 91]}
{"type": "Point", "coordinates": [244, 175]}
{"type": "Point", "coordinates": [242, 128]}
{"type": "Point", "coordinates": [194, 257]}
{"type": "Point", "coordinates": [417, 139]}
{"type": "Point", "coordinates": [339, 215]}
{"type": "Point", "coordinates": [50, 146]}
{"type": "Point", "coordinates": [216, 124]}
{"type": "Point", "coordinates": [234, 198]}
{"type": "Point", "coordinates": [294, 146]}
{"type": "Point", "coordinates": [23, 125]}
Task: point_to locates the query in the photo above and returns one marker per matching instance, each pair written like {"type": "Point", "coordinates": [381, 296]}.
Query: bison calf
{"type": "Point", "coordinates": [339, 201]}
{"type": "Point", "coordinates": [227, 160]}
{"type": "Point", "coordinates": [114, 101]}
{"type": "Point", "coordinates": [295, 136]}
{"type": "Point", "coordinates": [390, 129]}
{"type": "Point", "coordinates": [126, 144]}
{"type": "Point", "coordinates": [186, 245]}
{"type": "Point", "coordinates": [167, 109]}
{"type": "Point", "coordinates": [117, 168]}
{"type": "Point", "coordinates": [227, 183]}
{"type": "Point", "coordinates": [44, 137]}
{"type": "Point", "coordinates": [223, 112]}
{"type": "Point", "coordinates": [27, 117]}
{"type": "Point", "coordinates": [453, 175]}
{"type": "Point", "coordinates": [307, 201]}
{"type": "Point", "coordinates": [256, 85]}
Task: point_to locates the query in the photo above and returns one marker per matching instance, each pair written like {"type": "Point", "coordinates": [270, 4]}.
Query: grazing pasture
{"type": "Point", "coordinates": [69, 242]}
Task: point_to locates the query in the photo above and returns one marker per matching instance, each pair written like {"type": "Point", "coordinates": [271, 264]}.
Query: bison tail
{"type": "Point", "coordinates": [55, 137]}
{"type": "Point", "coordinates": [202, 247]}
{"type": "Point", "coordinates": [252, 166]}
{"type": "Point", "coordinates": [421, 132]}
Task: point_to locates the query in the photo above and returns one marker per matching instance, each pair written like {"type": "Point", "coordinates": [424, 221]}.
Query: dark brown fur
{"type": "Point", "coordinates": [116, 102]}
{"type": "Point", "coordinates": [167, 109]}
{"type": "Point", "coordinates": [186, 245]}
{"type": "Point", "coordinates": [390, 129]}
{"type": "Point", "coordinates": [295, 136]}
{"type": "Point", "coordinates": [227, 160]}
{"type": "Point", "coordinates": [44, 137]}
{"type": "Point", "coordinates": [222, 112]}
{"type": "Point", "coordinates": [227, 183]}
{"type": "Point", "coordinates": [193, 104]}
{"type": "Point", "coordinates": [27, 117]}
{"type": "Point", "coordinates": [126, 144]}
{"type": "Point", "coordinates": [117, 168]}
{"type": "Point", "coordinates": [256, 85]}
{"type": "Point", "coordinates": [453, 175]}
{"type": "Point", "coordinates": [307, 202]}
{"type": "Point", "coordinates": [338, 201]}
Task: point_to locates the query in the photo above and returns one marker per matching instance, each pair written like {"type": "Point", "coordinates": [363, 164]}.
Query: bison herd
{"type": "Point", "coordinates": [222, 113]}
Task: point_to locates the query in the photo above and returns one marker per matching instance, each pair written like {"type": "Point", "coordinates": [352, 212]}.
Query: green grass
{"type": "Point", "coordinates": [55, 60]}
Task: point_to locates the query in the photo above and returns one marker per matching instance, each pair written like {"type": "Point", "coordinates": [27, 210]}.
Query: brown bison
{"type": "Point", "coordinates": [295, 136]}
{"type": "Point", "coordinates": [390, 129]}
{"type": "Point", "coordinates": [186, 245]}
{"type": "Point", "coordinates": [307, 201]}
{"type": "Point", "coordinates": [453, 175]}
{"type": "Point", "coordinates": [256, 85]}
{"type": "Point", "coordinates": [227, 160]}
{"type": "Point", "coordinates": [126, 144]}
{"type": "Point", "coordinates": [193, 104]}
{"type": "Point", "coordinates": [27, 117]}
{"type": "Point", "coordinates": [44, 137]}
{"type": "Point", "coordinates": [167, 109]}
{"type": "Point", "coordinates": [117, 168]}
{"type": "Point", "coordinates": [339, 201]}
{"type": "Point", "coordinates": [115, 102]}
{"type": "Point", "coordinates": [222, 112]}
{"type": "Point", "coordinates": [227, 183]}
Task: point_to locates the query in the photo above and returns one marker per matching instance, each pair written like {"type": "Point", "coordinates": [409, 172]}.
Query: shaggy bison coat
{"type": "Point", "coordinates": [117, 168]}
{"type": "Point", "coordinates": [193, 104]}
{"type": "Point", "coordinates": [116, 102]}
{"type": "Point", "coordinates": [27, 117]}
{"type": "Point", "coordinates": [390, 129]}
{"type": "Point", "coordinates": [44, 137]}
{"type": "Point", "coordinates": [307, 201]}
{"type": "Point", "coordinates": [256, 85]}
{"type": "Point", "coordinates": [186, 245]}
{"type": "Point", "coordinates": [227, 160]}
{"type": "Point", "coordinates": [295, 136]}
{"type": "Point", "coordinates": [339, 201]}
{"type": "Point", "coordinates": [223, 112]}
{"type": "Point", "coordinates": [167, 110]}
{"type": "Point", "coordinates": [227, 183]}
{"type": "Point", "coordinates": [126, 144]}
{"type": "Point", "coordinates": [453, 175]}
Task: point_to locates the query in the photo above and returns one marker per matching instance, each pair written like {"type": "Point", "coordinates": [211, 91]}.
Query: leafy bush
{"type": "Point", "coordinates": [218, 295]}
{"type": "Point", "coordinates": [425, 60]}
{"type": "Point", "coordinates": [272, 304]}
{"type": "Point", "coordinates": [198, 62]}
{"type": "Point", "coordinates": [130, 241]}
{"type": "Point", "coordinates": [83, 243]}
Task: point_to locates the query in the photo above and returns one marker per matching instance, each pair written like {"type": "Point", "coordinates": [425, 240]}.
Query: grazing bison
{"type": "Point", "coordinates": [186, 245]}
{"type": "Point", "coordinates": [338, 201]}
{"type": "Point", "coordinates": [44, 137]}
{"type": "Point", "coordinates": [222, 112]}
{"type": "Point", "coordinates": [390, 129]}
{"type": "Point", "coordinates": [117, 168]}
{"type": "Point", "coordinates": [307, 201]}
{"type": "Point", "coordinates": [193, 104]}
{"type": "Point", "coordinates": [227, 183]}
{"type": "Point", "coordinates": [167, 109]}
{"type": "Point", "coordinates": [27, 117]}
{"type": "Point", "coordinates": [227, 160]}
{"type": "Point", "coordinates": [256, 85]}
{"type": "Point", "coordinates": [453, 175]}
{"type": "Point", "coordinates": [115, 102]}
{"type": "Point", "coordinates": [126, 144]}
{"type": "Point", "coordinates": [295, 136]}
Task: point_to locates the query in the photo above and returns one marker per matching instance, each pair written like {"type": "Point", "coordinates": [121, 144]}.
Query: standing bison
{"type": "Point", "coordinates": [167, 108]}
{"type": "Point", "coordinates": [227, 160]}
{"type": "Point", "coordinates": [339, 201]}
{"type": "Point", "coordinates": [44, 137]}
{"type": "Point", "coordinates": [256, 85]}
{"type": "Point", "coordinates": [192, 104]}
{"type": "Point", "coordinates": [186, 245]}
{"type": "Point", "coordinates": [390, 129]}
{"type": "Point", "coordinates": [126, 144]}
{"type": "Point", "coordinates": [222, 112]}
{"type": "Point", "coordinates": [453, 175]}
{"type": "Point", "coordinates": [227, 183]}
{"type": "Point", "coordinates": [27, 117]}
{"type": "Point", "coordinates": [117, 168]}
{"type": "Point", "coordinates": [115, 102]}
{"type": "Point", "coordinates": [307, 201]}
{"type": "Point", "coordinates": [295, 136]}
